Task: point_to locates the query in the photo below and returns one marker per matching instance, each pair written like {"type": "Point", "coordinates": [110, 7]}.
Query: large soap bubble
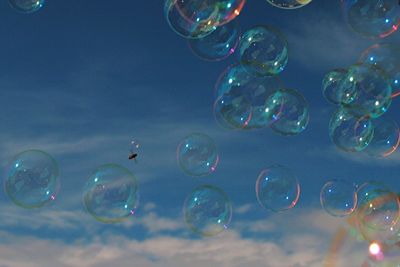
{"type": "Point", "coordinates": [263, 51]}
{"type": "Point", "coordinates": [207, 210]}
{"type": "Point", "coordinates": [289, 4]}
{"type": "Point", "coordinates": [32, 179]}
{"type": "Point", "coordinates": [294, 113]}
{"type": "Point", "coordinates": [197, 155]}
{"type": "Point", "coordinates": [277, 188]}
{"type": "Point", "coordinates": [27, 6]}
{"type": "Point", "coordinates": [338, 198]}
{"type": "Point", "coordinates": [111, 194]}
{"type": "Point", "coordinates": [219, 44]}
{"type": "Point", "coordinates": [372, 18]}
{"type": "Point", "coordinates": [373, 91]}
{"type": "Point", "coordinates": [238, 84]}
{"type": "Point", "coordinates": [332, 90]}
{"type": "Point", "coordinates": [350, 133]}
{"type": "Point", "coordinates": [386, 57]}
{"type": "Point", "coordinates": [386, 138]}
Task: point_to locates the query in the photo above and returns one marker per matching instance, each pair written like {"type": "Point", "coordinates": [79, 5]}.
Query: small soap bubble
{"type": "Point", "coordinates": [134, 148]}
{"type": "Point", "coordinates": [32, 180]}
{"type": "Point", "coordinates": [27, 6]}
{"type": "Point", "coordinates": [338, 198]}
{"type": "Point", "coordinates": [111, 194]}
{"type": "Point", "coordinates": [277, 188]}
{"type": "Point", "coordinates": [263, 51]}
{"type": "Point", "coordinates": [207, 210]}
{"type": "Point", "coordinates": [232, 112]}
{"type": "Point", "coordinates": [386, 138]}
{"type": "Point", "coordinates": [197, 155]}
{"type": "Point", "coordinates": [333, 92]}
{"type": "Point", "coordinates": [289, 4]}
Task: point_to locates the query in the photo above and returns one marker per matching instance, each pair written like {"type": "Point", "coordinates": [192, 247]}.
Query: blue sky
{"type": "Point", "coordinates": [80, 79]}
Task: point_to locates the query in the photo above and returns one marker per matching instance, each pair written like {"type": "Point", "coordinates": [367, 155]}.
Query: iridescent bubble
{"type": "Point", "coordinates": [27, 6]}
{"type": "Point", "coordinates": [232, 112]}
{"type": "Point", "coordinates": [111, 194]}
{"type": "Point", "coordinates": [386, 138]}
{"type": "Point", "coordinates": [197, 27]}
{"type": "Point", "coordinates": [134, 148]}
{"type": "Point", "coordinates": [289, 4]}
{"type": "Point", "coordinates": [218, 45]}
{"type": "Point", "coordinates": [277, 188]}
{"type": "Point", "coordinates": [239, 84]}
{"type": "Point", "coordinates": [32, 180]}
{"type": "Point", "coordinates": [350, 133]}
{"type": "Point", "coordinates": [207, 210]}
{"type": "Point", "coordinates": [386, 57]}
{"type": "Point", "coordinates": [294, 113]}
{"type": "Point", "coordinates": [197, 155]}
{"type": "Point", "coordinates": [263, 51]}
{"type": "Point", "coordinates": [338, 198]}
{"type": "Point", "coordinates": [332, 90]}
{"type": "Point", "coordinates": [373, 91]}
{"type": "Point", "coordinates": [372, 18]}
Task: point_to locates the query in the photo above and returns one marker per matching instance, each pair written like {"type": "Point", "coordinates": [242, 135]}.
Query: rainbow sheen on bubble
{"type": "Point", "coordinates": [263, 51]}
{"type": "Point", "coordinates": [332, 89]}
{"type": "Point", "coordinates": [349, 132]}
{"type": "Point", "coordinates": [386, 138]}
{"type": "Point", "coordinates": [289, 4]}
{"type": "Point", "coordinates": [27, 6]}
{"type": "Point", "coordinates": [207, 210]}
{"type": "Point", "coordinates": [32, 180]}
{"type": "Point", "coordinates": [294, 112]}
{"type": "Point", "coordinates": [385, 56]}
{"type": "Point", "coordinates": [372, 18]}
{"type": "Point", "coordinates": [239, 85]}
{"type": "Point", "coordinates": [197, 155]}
{"type": "Point", "coordinates": [111, 194]}
{"type": "Point", "coordinates": [218, 45]}
{"type": "Point", "coordinates": [277, 188]}
{"type": "Point", "coordinates": [373, 91]}
{"type": "Point", "coordinates": [338, 198]}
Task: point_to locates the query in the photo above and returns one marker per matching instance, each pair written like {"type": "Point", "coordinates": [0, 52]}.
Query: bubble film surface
{"type": "Point", "coordinates": [386, 138]}
{"type": "Point", "coordinates": [332, 89]}
{"type": "Point", "coordinates": [27, 6]}
{"type": "Point", "coordinates": [338, 198]}
{"type": "Point", "coordinates": [289, 4]}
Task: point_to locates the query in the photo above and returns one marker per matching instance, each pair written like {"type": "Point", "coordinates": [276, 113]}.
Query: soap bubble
{"type": "Point", "coordinates": [386, 57]}
{"type": "Point", "coordinates": [111, 194]}
{"type": "Point", "coordinates": [332, 89]}
{"type": "Point", "coordinates": [219, 44]}
{"type": "Point", "coordinates": [134, 148]}
{"type": "Point", "coordinates": [289, 4]}
{"type": "Point", "coordinates": [197, 155]}
{"type": "Point", "coordinates": [27, 6]}
{"type": "Point", "coordinates": [197, 27]}
{"type": "Point", "coordinates": [232, 112]}
{"type": "Point", "coordinates": [277, 188]}
{"type": "Point", "coordinates": [207, 210]}
{"type": "Point", "coordinates": [294, 114]}
{"type": "Point", "coordinates": [238, 84]}
{"type": "Point", "coordinates": [32, 180]}
{"type": "Point", "coordinates": [386, 138]}
{"type": "Point", "coordinates": [372, 18]}
{"type": "Point", "coordinates": [373, 91]}
{"type": "Point", "coordinates": [350, 133]}
{"type": "Point", "coordinates": [263, 51]}
{"type": "Point", "coordinates": [338, 198]}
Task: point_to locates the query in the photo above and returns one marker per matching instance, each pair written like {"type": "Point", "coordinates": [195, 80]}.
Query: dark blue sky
{"type": "Point", "coordinates": [80, 79]}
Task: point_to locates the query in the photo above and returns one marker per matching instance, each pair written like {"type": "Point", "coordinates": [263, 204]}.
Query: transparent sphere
{"type": "Point", "coordinates": [197, 155]}
{"type": "Point", "coordinates": [350, 133]}
{"type": "Point", "coordinates": [386, 138]}
{"type": "Point", "coordinates": [232, 111]}
{"type": "Point", "coordinates": [338, 198]}
{"type": "Point", "coordinates": [207, 210]}
{"type": "Point", "coordinates": [27, 6]}
{"type": "Point", "coordinates": [218, 45]}
{"type": "Point", "coordinates": [111, 194]}
{"type": "Point", "coordinates": [386, 57]}
{"type": "Point", "coordinates": [294, 112]}
{"type": "Point", "coordinates": [237, 83]}
{"type": "Point", "coordinates": [372, 18]}
{"type": "Point", "coordinates": [32, 180]}
{"type": "Point", "coordinates": [263, 51]}
{"type": "Point", "coordinates": [373, 92]}
{"type": "Point", "coordinates": [289, 4]}
{"type": "Point", "coordinates": [277, 188]}
{"type": "Point", "coordinates": [333, 92]}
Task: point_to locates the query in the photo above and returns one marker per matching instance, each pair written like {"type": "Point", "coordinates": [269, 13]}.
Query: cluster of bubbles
{"type": "Point", "coordinates": [363, 93]}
